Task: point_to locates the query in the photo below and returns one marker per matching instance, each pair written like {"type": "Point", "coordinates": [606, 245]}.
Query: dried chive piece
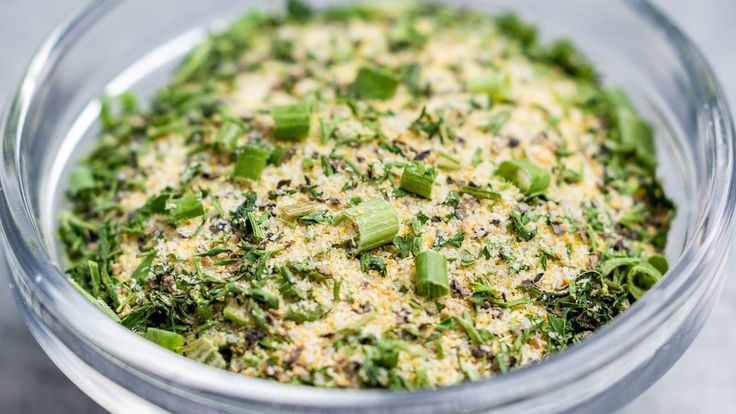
{"type": "Point", "coordinates": [291, 122]}
{"type": "Point", "coordinates": [418, 179]}
{"type": "Point", "coordinates": [641, 278]}
{"type": "Point", "coordinates": [228, 135]}
{"type": "Point", "coordinates": [301, 315]}
{"type": "Point", "coordinates": [187, 207]}
{"type": "Point", "coordinates": [375, 83]}
{"type": "Point", "coordinates": [80, 179]}
{"type": "Point", "coordinates": [529, 178]}
{"type": "Point", "coordinates": [659, 262]}
{"type": "Point", "coordinates": [251, 161]}
{"type": "Point", "coordinates": [634, 135]}
{"type": "Point", "coordinates": [205, 351]}
{"type": "Point", "coordinates": [479, 193]}
{"type": "Point", "coordinates": [294, 211]}
{"type": "Point", "coordinates": [375, 220]}
{"type": "Point", "coordinates": [431, 274]}
{"type": "Point", "coordinates": [496, 85]}
{"type": "Point", "coordinates": [167, 339]}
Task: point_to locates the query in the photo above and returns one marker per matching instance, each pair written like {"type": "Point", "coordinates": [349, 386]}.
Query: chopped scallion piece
{"type": "Point", "coordinates": [375, 220]}
{"type": "Point", "coordinates": [80, 179]}
{"type": "Point", "coordinates": [228, 135]}
{"type": "Point", "coordinates": [187, 207]}
{"type": "Point", "coordinates": [418, 179]}
{"type": "Point", "coordinates": [659, 262]}
{"type": "Point", "coordinates": [294, 211]}
{"type": "Point", "coordinates": [251, 161]}
{"type": "Point", "coordinates": [496, 85]}
{"type": "Point", "coordinates": [431, 274]}
{"type": "Point", "coordinates": [640, 278]}
{"type": "Point", "coordinates": [167, 339]}
{"type": "Point", "coordinates": [529, 178]}
{"type": "Point", "coordinates": [291, 122]}
{"type": "Point", "coordinates": [375, 83]}
{"type": "Point", "coordinates": [480, 193]}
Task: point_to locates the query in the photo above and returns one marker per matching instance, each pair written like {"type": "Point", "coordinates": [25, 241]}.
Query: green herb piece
{"type": "Point", "coordinates": [496, 123]}
{"type": "Point", "coordinates": [418, 179]}
{"type": "Point", "coordinates": [518, 223]}
{"type": "Point", "coordinates": [291, 122]}
{"type": "Point", "coordinates": [375, 83]}
{"type": "Point", "coordinates": [228, 134]}
{"type": "Point", "coordinates": [479, 193]}
{"type": "Point", "coordinates": [141, 271]}
{"type": "Point", "coordinates": [99, 303]}
{"type": "Point", "coordinates": [186, 208]}
{"type": "Point", "coordinates": [327, 168]}
{"type": "Point", "coordinates": [375, 221]}
{"type": "Point", "coordinates": [419, 220]}
{"type": "Point", "coordinates": [606, 267]}
{"type": "Point", "coordinates": [485, 294]}
{"type": "Point", "coordinates": [448, 162]}
{"type": "Point", "coordinates": [298, 10]}
{"type": "Point", "coordinates": [659, 262]}
{"type": "Point", "coordinates": [496, 85]}
{"type": "Point", "coordinates": [477, 157]}
{"type": "Point", "coordinates": [431, 274]}
{"type": "Point", "coordinates": [301, 315]}
{"type": "Point", "coordinates": [251, 161]}
{"type": "Point", "coordinates": [641, 278]}
{"type": "Point", "coordinates": [277, 156]}
{"type": "Point", "coordinates": [408, 244]}
{"type": "Point", "coordinates": [167, 339]}
{"type": "Point", "coordinates": [79, 180]}
{"type": "Point", "coordinates": [511, 25]}
{"type": "Point", "coordinates": [527, 177]}
{"type": "Point", "coordinates": [466, 322]}
{"type": "Point", "coordinates": [563, 54]}
{"type": "Point", "coordinates": [265, 297]}
{"type": "Point", "coordinates": [455, 241]}
{"type": "Point", "coordinates": [205, 351]}
{"type": "Point", "coordinates": [294, 211]}
{"type": "Point", "coordinates": [368, 262]}
{"type": "Point", "coordinates": [316, 217]}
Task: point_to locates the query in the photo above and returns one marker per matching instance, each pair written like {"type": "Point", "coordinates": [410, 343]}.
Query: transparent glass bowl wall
{"type": "Point", "coordinates": [112, 46]}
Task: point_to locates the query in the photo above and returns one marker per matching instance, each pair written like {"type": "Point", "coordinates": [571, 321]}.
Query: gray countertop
{"type": "Point", "coordinates": [702, 381]}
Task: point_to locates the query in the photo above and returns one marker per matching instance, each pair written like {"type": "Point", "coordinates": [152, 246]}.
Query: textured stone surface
{"type": "Point", "coordinates": [702, 381]}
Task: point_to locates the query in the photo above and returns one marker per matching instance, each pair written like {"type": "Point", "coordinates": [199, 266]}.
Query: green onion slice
{"type": "Point", "coordinates": [640, 278]}
{"type": "Point", "coordinates": [187, 207]}
{"type": "Point", "coordinates": [291, 122]}
{"type": "Point", "coordinates": [418, 179]}
{"type": "Point", "coordinates": [529, 178]}
{"type": "Point", "coordinates": [228, 134]}
{"type": "Point", "coordinates": [375, 220]}
{"type": "Point", "coordinates": [167, 339]}
{"type": "Point", "coordinates": [251, 161]}
{"type": "Point", "coordinates": [496, 85]}
{"type": "Point", "coordinates": [375, 83]}
{"type": "Point", "coordinates": [480, 193]}
{"type": "Point", "coordinates": [659, 262]}
{"type": "Point", "coordinates": [294, 211]}
{"type": "Point", "coordinates": [431, 274]}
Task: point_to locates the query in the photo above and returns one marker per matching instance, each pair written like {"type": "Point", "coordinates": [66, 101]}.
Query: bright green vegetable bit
{"type": "Point", "coordinates": [640, 278]}
{"type": "Point", "coordinates": [418, 179]}
{"type": "Point", "coordinates": [529, 178]}
{"type": "Point", "coordinates": [375, 83]}
{"type": "Point", "coordinates": [431, 274]}
{"type": "Point", "coordinates": [291, 122]}
{"type": "Point", "coordinates": [251, 161]}
{"type": "Point", "coordinates": [167, 339]}
{"type": "Point", "coordinates": [375, 220]}
{"type": "Point", "coordinates": [187, 207]}
{"type": "Point", "coordinates": [496, 85]}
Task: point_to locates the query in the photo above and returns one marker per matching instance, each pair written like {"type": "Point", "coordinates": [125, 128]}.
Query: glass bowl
{"type": "Point", "coordinates": [110, 47]}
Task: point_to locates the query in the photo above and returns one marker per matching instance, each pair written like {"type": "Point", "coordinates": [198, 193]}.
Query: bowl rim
{"type": "Point", "coordinates": [49, 283]}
